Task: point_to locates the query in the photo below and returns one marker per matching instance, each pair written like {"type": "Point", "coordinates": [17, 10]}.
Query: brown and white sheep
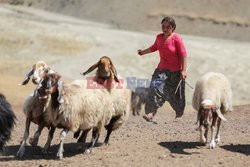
{"type": "Point", "coordinates": [212, 98]}
{"type": "Point", "coordinates": [34, 107]}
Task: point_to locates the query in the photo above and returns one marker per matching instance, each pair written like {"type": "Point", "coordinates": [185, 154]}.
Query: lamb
{"type": "Point", "coordinates": [212, 98]}
{"type": "Point", "coordinates": [7, 121]}
{"type": "Point", "coordinates": [34, 108]}
{"type": "Point", "coordinates": [82, 109]}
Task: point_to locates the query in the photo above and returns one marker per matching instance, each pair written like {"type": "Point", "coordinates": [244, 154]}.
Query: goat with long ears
{"type": "Point", "coordinates": [105, 69]}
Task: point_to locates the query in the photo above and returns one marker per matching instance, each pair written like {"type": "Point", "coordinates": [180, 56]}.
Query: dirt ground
{"type": "Point", "coordinates": [140, 143]}
{"type": "Point", "coordinates": [70, 46]}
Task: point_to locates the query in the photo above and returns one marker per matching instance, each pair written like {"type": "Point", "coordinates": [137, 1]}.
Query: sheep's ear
{"type": "Point", "coordinates": [91, 68]}
{"type": "Point", "coordinates": [114, 71]}
{"type": "Point", "coordinates": [220, 115]}
{"type": "Point", "coordinates": [27, 78]}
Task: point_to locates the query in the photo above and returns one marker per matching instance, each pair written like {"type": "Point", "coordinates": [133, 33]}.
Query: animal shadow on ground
{"type": "Point", "coordinates": [240, 148]}
{"type": "Point", "coordinates": [178, 147]}
{"type": "Point", "coordinates": [35, 153]}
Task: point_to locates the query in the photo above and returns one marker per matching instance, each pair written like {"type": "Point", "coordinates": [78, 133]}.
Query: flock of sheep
{"type": "Point", "coordinates": [74, 107]}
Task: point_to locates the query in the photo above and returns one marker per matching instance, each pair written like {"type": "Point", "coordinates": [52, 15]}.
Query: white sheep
{"type": "Point", "coordinates": [212, 98]}
{"type": "Point", "coordinates": [81, 109]}
{"type": "Point", "coordinates": [107, 78]}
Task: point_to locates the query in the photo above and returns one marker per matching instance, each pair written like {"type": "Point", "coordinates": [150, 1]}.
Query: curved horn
{"type": "Point", "coordinates": [91, 68]}
{"type": "Point", "coordinates": [27, 78]}
{"type": "Point", "coordinates": [220, 115]}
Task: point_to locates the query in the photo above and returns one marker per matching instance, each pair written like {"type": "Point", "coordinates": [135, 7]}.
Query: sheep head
{"type": "Point", "coordinates": [207, 112]}
{"type": "Point", "coordinates": [105, 69]}
{"type": "Point", "coordinates": [48, 85]}
{"type": "Point", "coordinates": [38, 71]}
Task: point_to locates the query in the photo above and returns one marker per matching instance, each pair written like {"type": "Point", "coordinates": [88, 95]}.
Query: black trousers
{"type": "Point", "coordinates": [162, 88]}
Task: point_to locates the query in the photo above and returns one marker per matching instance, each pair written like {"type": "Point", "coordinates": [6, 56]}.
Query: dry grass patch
{"type": "Point", "coordinates": [15, 67]}
{"type": "Point", "coordinates": [14, 93]}
{"type": "Point", "coordinates": [63, 46]}
{"type": "Point", "coordinates": [11, 42]}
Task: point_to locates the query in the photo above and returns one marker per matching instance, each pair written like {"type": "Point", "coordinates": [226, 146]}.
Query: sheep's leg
{"type": "Point", "coordinates": [217, 137]}
{"type": "Point", "coordinates": [203, 139]}
{"type": "Point", "coordinates": [60, 150]}
{"type": "Point", "coordinates": [109, 128]}
{"type": "Point", "coordinates": [109, 131]}
{"type": "Point", "coordinates": [212, 143]}
{"type": "Point", "coordinates": [49, 139]}
{"type": "Point", "coordinates": [33, 141]}
{"type": "Point", "coordinates": [25, 137]}
{"type": "Point", "coordinates": [76, 134]}
{"type": "Point", "coordinates": [206, 133]}
{"type": "Point", "coordinates": [83, 136]}
{"type": "Point", "coordinates": [95, 135]}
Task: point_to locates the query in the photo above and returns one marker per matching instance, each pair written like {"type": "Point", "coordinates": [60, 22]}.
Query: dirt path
{"type": "Point", "coordinates": [139, 143]}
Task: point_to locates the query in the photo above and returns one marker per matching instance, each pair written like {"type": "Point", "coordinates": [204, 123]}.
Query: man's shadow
{"type": "Point", "coordinates": [178, 147]}
{"type": "Point", "coordinates": [239, 148]}
{"type": "Point", "coordinates": [35, 153]}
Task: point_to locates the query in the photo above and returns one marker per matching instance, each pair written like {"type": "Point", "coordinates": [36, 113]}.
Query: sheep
{"type": "Point", "coordinates": [34, 108]}
{"type": "Point", "coordinates": [82, 109]}
{"type": "Point", "coordinates": [7, 121]}
{"type": "Point", "coordinates": [138, 99]}
{"type": "Point", "coordinates": [121, 96]}
{"type": "Point", "coordinates": [212, 98]}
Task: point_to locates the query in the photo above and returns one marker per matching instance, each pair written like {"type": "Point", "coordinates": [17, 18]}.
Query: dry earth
{"type": "Point", "coordinates": [70, 46]}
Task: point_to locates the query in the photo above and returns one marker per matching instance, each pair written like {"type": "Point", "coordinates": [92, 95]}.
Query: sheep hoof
{"type": "Point", "coordinates": [20, 152]}
{"type": "Point", "coordinates": [217, 140]}
{"type": "Point", "coordinates": [106, 144]}
{"type": "Point", "coordinates": [212, 145]}
{"type": "Point", "coordinates": [87, 151]}
{"type": "Point", "coordinates": [33, 142]}
{"type": "Point", "coordinates": [45, 150]}
{"type": "Point", "coordinates": [59, 156]}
